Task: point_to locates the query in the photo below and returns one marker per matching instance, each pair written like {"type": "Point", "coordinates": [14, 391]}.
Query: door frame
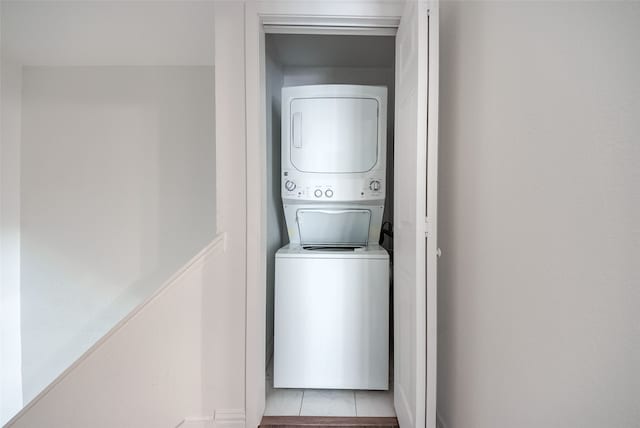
{"type": "Point", "coordinates": [347, 17]}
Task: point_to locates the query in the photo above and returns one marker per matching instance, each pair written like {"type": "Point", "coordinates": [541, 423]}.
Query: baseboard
{"type": "Point", "coordinates": [328, 422]}
{"type": "Point", "coordinates": [439, 421]}
{"type": "Point", "coordinates": [197, 422]}
{"type": "Point", "coordinates": [223, 418]}
{"type": "Point", "coordinates": [230, 418]}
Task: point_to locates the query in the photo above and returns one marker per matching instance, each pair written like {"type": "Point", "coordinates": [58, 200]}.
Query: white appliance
{"type": "Point", "coordinates": [332, 280]}
{"type": "Point", "coordinates": [334, 154]}
{"type": "Point", "coordinates": [332, 318]}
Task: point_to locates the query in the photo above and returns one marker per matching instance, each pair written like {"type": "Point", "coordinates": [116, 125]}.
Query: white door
{"type": "Point", "coordinates": [415, 180]}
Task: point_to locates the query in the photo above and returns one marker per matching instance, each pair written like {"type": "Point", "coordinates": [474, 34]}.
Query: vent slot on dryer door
{"type": "Point", "coordinates": [334, 135]}
{"type": "Point", "coordinates": [333, 228]}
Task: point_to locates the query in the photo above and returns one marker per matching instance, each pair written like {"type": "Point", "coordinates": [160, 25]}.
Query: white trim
{"type": "Point", "coordinates": [328, 21]}
{"type": "Point", "coordinates": [216, 246]}
{"type": "Point", "coordinates": [196, 422]}
{"type": "Point", "coordinates": [229, 418]}
{"type": "Point", "coordinates": [432, 216]}
{"type": "Point", "coordinates": [255, 328]}
{"type": "Point", "coordinates": [334, 25]}
{"type": "Point", "coordinates": [346, 31]}
{"type": "Point", "coordinates": [347, 13]}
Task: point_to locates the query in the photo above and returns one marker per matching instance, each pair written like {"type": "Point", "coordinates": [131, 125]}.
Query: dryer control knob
{"type": "Point", "coordinates": [317, 193]}
{"type": "Point", "coordinates": [289, 185]}
{"type": "Point", "coordinates": [374, 185]}
{"type": "Point", "coordinates": [328, 193]}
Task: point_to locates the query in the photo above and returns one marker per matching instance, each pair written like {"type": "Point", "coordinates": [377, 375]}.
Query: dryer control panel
{"type": "Point", "coordinates": [332, 187]}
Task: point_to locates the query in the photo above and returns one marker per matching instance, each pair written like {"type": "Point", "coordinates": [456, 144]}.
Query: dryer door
{"type": "Point", "coordinates": [334, 135]}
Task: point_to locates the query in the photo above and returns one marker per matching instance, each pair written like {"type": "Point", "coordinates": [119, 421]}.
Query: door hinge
{"type": "Point", "coordinates": [428, 230]}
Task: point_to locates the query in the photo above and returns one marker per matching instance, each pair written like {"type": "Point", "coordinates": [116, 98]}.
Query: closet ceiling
{"type": "Point", "coordinates": [311, 50]}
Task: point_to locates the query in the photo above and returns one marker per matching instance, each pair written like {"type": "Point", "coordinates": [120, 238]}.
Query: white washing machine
{"type": "Point", "coordinates": [332, 318]}
{"type": "Point", "coordinates": [332, 280]}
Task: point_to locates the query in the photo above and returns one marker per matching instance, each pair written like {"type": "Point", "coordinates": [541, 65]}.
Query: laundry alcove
{"type": "Point", "coordinates": [323, 59]}
{"type": "Point", "coordinates": [358, 44]}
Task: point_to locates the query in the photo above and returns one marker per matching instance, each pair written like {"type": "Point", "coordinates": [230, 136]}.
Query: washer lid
{"type": "Point", "coordinates": [294, 251]}
{"type": "Point", "coordinates": [333, 134]}
{"type": "Point", "coordinates": [333, 227]}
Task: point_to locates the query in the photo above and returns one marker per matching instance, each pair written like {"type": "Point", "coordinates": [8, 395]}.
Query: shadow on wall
{"type": "Point", "coordinates": [117, 192]}
{"type": "Point", "coordinates": [538, 283]}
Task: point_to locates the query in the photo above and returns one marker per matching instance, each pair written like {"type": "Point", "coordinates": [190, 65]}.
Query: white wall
{"type": "Point", "coordinates": [150, 370]}
{"type": "Point", "coordinates": [117, 191]}
{"type": "Point", "coordinates": [225, 300]}
{"type": "Point", "coordinates": [10, 345]}
{"type": "Point", "coordinates": [539, 207]}
{"type": "Point", "coordinates": [183, 355]}
{"type": "Point", "coordinates": [69, 33]}
{"type": "Point", "coordinates": [276, 228]}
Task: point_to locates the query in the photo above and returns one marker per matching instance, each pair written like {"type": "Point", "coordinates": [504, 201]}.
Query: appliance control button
{"type": "Point", "coordinates": [374, 185]}
{"type": "Point", "coordinates": [290, 185]}
{"type": "Point", "coordinates": [317, 193]}
{"type": "Point", "coordinates": [328, 193]}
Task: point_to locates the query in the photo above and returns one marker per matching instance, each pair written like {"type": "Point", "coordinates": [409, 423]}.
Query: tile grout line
{"type": "Point", "coordinates": [301, 401]}
{"type": "Point", "coordinates": [355, 402]}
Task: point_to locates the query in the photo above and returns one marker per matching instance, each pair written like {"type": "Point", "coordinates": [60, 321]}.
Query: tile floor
{"type": "Point", "coordinates": [326, 402]}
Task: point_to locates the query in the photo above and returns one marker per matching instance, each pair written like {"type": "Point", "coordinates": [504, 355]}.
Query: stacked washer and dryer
{"type": "Point", "coordinates": [331, 310]}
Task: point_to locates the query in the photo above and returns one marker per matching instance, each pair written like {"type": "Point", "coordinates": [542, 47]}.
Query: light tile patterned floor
{"type": "Point", "coordinates": [326, 402]}
{"type": "Point", "coordinates": [374, 403]}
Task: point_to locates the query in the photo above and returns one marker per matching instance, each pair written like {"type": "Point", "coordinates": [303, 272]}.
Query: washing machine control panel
{"type": "Point", "coordinates": [333, 187]}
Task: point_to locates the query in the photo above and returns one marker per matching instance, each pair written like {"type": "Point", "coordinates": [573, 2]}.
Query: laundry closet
{"type": "Point", "coordinates": [330, 135]}
{"type": "Point", "coordinates": [341, 107]}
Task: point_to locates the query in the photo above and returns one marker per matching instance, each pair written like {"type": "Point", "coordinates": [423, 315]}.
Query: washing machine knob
{"type": "Point", "coordinates": [317, 193]}
{"type": "Point", "coordinates": [289, 185]}
{"type": "Point", "coordinates": [374, 185]}
{"type": "Point", "coordinates": [328, 193]}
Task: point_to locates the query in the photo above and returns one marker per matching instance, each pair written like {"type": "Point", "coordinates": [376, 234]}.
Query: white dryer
{"type": "Point", "coordinates": [332, 280]}
{"type": "Point", "coordinates": [334, 146]}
